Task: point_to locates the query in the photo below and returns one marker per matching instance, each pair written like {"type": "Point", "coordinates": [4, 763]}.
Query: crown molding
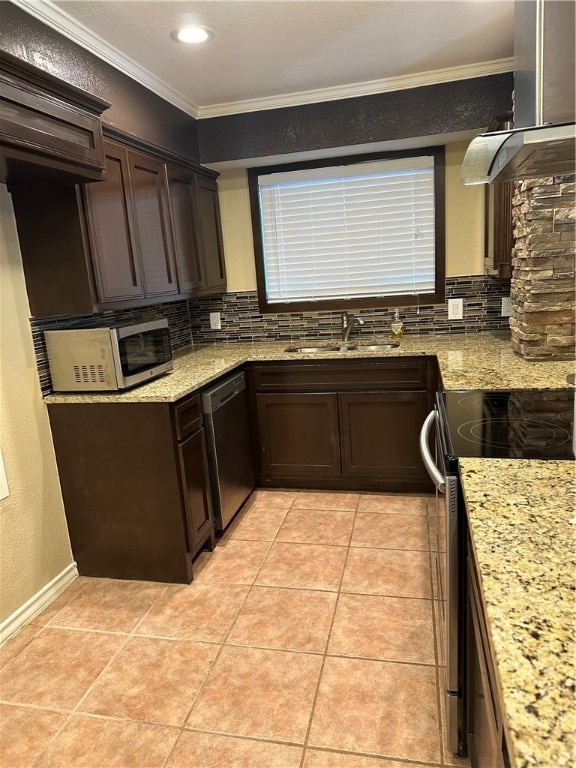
{"type": "Point", "coordinates": [52, 15]}
{"type": "Point", "coordinates": [367, 88]}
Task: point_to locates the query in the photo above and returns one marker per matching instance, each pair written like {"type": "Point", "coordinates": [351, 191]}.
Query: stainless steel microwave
{"type": "Point", "coordinates": [108, 357]}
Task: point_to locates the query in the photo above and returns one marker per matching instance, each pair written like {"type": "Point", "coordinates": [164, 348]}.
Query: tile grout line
{"type": "Point", "coordinates": [75, 710]}
{"type": "Point", "coordinates": [69, 714]}
{"type": "Point", "coordinates": [325, 654]}
{"type": "Point", "coordinates": [183, 728]}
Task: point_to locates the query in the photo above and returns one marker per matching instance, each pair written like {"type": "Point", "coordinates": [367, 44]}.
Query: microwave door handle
{"type": "Point", "coordinates": [435, 475]}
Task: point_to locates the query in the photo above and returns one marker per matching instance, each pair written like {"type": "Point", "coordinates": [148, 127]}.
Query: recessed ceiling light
{"type": "Point", "coordinates": [192, 34]}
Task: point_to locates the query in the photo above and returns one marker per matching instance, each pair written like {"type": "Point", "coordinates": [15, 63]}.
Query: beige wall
{"type": "Point", "coordinates": [34, 544]}
{"type": "Point", "coordinates": [464, 224]}
{"type": "Point", "coordinates": [237, 230]}
{"type": "Point", "coordinates": [464, 219]}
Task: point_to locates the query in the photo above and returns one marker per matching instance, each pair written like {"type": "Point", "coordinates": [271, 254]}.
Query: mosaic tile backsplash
{"type": "Point", "coordinates": [189, 321]}
{"type": "Point", "coordinates": [242, 321]}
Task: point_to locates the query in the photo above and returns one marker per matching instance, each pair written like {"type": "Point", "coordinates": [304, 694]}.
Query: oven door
{"type": "Point", "coordinates": [445, 564]}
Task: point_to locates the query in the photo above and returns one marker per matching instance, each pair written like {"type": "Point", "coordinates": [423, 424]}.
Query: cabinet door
{"type": "Point", "coordinates": [298, 434]}
{"type": "Point", "coordinates": [152, 224]}
{"type": "Point", "coordinates": [196, 489]}
{"type": "Point", "coordinates": [211, 248]}
{"type": "Point", "coordinates": [184, 212]}
{"type": "Point", "coordinates": [379, 433]}
{"type": "Point", "coordinates": [483, 726]}
{"type": "Point", "coordinates": [111, 224]}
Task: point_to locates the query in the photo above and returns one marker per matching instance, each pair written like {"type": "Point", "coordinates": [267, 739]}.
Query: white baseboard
{"type": "Point", "coordinates": [37, 602]}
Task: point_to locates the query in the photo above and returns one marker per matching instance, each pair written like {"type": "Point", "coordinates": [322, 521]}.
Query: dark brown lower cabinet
{"type": "Point", "coordinates": [196, 487]}
{"type": "Point", "coordinates": [350, 424]}
{"type": "Point", "coordinates": [135, 487]}
{"type": "Point", "coordinates": [486, 738]}
{"type": "Point", "coordinates": [299, 434]}
{"type": "Point", "coordinates": [377, 432]}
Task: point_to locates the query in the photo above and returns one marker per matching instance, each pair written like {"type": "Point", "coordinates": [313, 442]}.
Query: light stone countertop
{"type": "Point", "coordinates": [522, 516]}
{"type": "Point", "coordinates": [467, 361]}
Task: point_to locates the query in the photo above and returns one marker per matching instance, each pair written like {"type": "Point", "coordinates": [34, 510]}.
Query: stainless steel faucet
{"type": "Point", "coordinates": [348, 323]}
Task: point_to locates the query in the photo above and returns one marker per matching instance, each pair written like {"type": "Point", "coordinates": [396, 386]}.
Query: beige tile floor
{"type": "Point", "coordinates": [307, 640]}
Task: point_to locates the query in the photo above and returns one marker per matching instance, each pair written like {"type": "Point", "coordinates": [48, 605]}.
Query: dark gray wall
{"type": "Point", "coordinates": [463, 105]}
{"type": "Point", "coordinates": [427, 111]}
{"type": "Point", "coordinates": [134, 108]}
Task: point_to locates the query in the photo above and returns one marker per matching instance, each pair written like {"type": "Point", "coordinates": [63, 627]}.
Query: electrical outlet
{"type": "Point", "coordinates": [215, 321]}
{"type": "Point", "coordinates": [455, 309]}
{"type": "Point", "coordinates": [506, 310]}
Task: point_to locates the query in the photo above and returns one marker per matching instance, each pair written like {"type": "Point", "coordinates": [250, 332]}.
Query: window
{"type": "Point", "coordinates": [363, 231]}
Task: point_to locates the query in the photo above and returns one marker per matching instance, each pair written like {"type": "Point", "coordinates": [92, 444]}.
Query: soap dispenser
{"type": "Point", "coordinates": [397, 327]}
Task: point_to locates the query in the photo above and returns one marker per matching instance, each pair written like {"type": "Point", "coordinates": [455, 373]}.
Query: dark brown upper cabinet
{"type": "Point", "coordinates": [153, 232]}
{"type": "Point", "coordinates": [129, 227]}
{"type": "Point", "coordinates": [211, 247]}
{"type": "Point", "coordinates": [184, 212]}
{"type": "Point", "coordinates": [197, 232]}
{"type": "Point", "coordinates": [111, 227]}
{"type": "Point", "coordinates": [147, 233]}
{"type": "Point", "coordinates": [50, 131]}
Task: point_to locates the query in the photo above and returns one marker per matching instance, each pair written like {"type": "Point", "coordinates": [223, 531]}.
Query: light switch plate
{"type": "Point", "coordinates": [215, 321]}
{"type": "Point", "coordinates": [506, 310]}
{"type": "Point", "coordinates": [455, 309]}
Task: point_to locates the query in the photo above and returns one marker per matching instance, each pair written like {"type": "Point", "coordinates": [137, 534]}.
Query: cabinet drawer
{"type": "Point", "coordinates": [398, 373]}
{"type": "Point", "coordinates": [188, 416]}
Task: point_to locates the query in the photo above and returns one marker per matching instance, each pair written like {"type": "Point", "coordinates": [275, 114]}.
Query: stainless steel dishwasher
{"type": "Point", "coordinates": [225, 408]}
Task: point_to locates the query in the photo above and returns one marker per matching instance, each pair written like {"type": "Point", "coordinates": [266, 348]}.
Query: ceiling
{"type": "Point", "coordinates": [272, 53]}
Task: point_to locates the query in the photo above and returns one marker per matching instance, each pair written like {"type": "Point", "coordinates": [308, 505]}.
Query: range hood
{"type": "Point", "coordinates": [522, 153]}
{"type": "Point", "coordinates": [543, 141]}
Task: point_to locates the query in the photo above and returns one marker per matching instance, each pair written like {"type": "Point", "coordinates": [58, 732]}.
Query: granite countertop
{"type": "Point", "coordinates": [523, 522]}
{"type": "Point", "coordinates": [474, 361]}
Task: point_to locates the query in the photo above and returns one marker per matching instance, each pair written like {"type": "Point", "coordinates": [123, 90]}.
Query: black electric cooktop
{"type": "Point", "coordinates": [520, 424]}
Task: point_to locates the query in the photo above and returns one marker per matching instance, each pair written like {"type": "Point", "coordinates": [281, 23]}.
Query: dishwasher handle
{"type": "Point", "coordinates": [216, 397]}
{"type": "Point", "coordinates": [435, 475]}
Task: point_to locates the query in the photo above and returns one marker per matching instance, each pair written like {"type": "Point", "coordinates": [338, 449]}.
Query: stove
{"type": "Point", "coordinates": [519, 424]}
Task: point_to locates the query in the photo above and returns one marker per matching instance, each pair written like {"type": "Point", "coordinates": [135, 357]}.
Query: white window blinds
{"type": "Point", "coordinates": [349, 231]}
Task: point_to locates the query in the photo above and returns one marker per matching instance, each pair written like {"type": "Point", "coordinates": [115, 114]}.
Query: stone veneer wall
{"type": "Point", "coordinates": [542, 289]}
{"type": "Point", "coordinates": [242, 322]}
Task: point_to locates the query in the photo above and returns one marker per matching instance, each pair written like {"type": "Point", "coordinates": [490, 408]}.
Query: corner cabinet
{"type": "Point", "coordinates": [350, 424]}
{"type": "Point", "coordinates": [149, 232]}
{"type": "Point", "coordinates": [135, 485]}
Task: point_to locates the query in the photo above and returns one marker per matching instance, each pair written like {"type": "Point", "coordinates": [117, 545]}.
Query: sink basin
{"type": "Point", "coordinates": [311, 350]}
{"type": "Point", "coordinates": [377, 347]}
{"type": "Point", "coordinates": [343, 348]}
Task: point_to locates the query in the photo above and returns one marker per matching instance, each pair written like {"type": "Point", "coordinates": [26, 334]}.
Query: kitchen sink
{"type": "Point", "coordinates": [310, 350]}
{"type": "Point", "coordinates": [343, 348]}
{"type": "Point", "coordinates": [378, 347]}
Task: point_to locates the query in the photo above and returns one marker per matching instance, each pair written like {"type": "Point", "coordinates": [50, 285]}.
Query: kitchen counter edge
{"type": "Point", "coordinates": [467, 361]}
